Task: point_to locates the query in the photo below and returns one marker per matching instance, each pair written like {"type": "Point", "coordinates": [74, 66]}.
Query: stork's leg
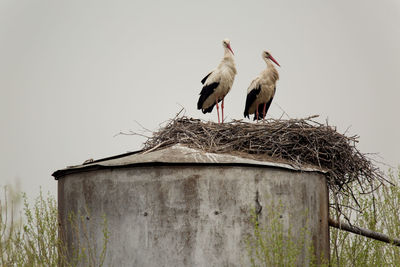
{"type": "Point", "coordinates": [222, 109]}
{"type": "Point", "coordinates": [265, 104]}
{"type": "Point", "coordinates": [257, 112]}
{"type": "Point", "coordinates": [216, 103]}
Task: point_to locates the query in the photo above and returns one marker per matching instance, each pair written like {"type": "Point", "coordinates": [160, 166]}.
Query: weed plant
{"type": "Point", "coordinates": [31, 236]}
{"type": "Point", "coordinates": [380, 212]}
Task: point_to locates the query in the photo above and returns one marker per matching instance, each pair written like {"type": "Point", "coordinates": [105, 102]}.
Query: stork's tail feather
{"type": "Point", "coordinates": [259, 116]}
{"type": "Point", "coordinates": [251, 97]}
{"type": "Point", "coordinates": [208, 110]}
{"type": "Point", "coordinates": [200, 103]}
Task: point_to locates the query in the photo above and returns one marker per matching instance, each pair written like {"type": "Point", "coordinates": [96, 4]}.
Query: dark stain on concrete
{"type": "Point", "coordinates": [88, 187]}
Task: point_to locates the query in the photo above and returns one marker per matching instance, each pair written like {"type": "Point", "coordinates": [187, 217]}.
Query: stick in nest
{"type": "Point", "coordinates": [297, 141]}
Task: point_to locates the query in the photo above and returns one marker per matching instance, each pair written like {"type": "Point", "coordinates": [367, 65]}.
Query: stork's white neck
{"type": "Point", "coordinates": [228, 63]}
{"type": "Point", "coordinates": [271, 69]}
{"type": "Point", "coordinates": [227, 53]}
{"type": "Point", "coordinates": [269, 63]}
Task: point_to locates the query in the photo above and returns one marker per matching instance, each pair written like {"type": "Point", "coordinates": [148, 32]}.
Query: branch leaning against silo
{"type": "Point", "coordinates": [298, 142]}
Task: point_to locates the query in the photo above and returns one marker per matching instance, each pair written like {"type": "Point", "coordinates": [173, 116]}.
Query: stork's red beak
{"type": "Point", "coordinates": [229, 47]}
{"type": "Point", "coordinates": [273, 59]}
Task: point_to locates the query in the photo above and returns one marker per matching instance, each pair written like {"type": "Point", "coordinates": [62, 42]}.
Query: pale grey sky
{"type": "Point", "coordinates": [74, 73]}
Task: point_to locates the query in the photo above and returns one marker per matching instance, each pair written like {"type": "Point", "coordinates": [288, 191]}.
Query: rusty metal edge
{"type": "Point", "coordinates": [94, 167]}
{"type": "Point", "coordinates": [97, 164]}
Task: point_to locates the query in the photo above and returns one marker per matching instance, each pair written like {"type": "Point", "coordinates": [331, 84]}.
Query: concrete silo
{"type": "Point", "coordinates": [179, 206]}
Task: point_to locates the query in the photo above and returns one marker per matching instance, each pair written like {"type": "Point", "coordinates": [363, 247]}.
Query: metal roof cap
{"type": "Point", "coordinates": [176, 155]}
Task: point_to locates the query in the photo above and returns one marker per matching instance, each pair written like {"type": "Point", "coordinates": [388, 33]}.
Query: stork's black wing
{"type": "Point", "coordinates": [204, 94]}
{"type": "Point", "coordinates": [251, 97]}
{"type": "Point", "coordinates": [205, 78]}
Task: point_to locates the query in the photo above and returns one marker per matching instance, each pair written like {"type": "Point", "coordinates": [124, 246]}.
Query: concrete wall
{"type": "Point", "coordinates": [190, 215]}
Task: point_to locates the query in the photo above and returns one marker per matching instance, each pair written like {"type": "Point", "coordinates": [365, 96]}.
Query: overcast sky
{"type": "Point", "coordinates": [75, 73]}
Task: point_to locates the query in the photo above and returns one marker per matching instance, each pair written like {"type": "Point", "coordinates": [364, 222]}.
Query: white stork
{"type": "Point", "coordinates": [262, 89]}
{"type": "Point", "coordinates": [218, 83]}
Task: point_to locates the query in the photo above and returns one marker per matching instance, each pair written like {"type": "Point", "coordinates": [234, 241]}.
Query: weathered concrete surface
{"type": "Point", "coordinates": [191, 215]}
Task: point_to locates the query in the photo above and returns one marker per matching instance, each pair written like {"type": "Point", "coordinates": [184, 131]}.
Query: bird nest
{"type": "Point", "coordinates": [299, 142]}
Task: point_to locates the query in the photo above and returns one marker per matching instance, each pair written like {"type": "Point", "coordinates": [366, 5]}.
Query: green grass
{"type": "Point", "coordinates": [29, 234]}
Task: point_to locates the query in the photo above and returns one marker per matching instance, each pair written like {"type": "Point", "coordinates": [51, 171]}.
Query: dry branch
{"type": "Point", "coordinates": [364, 232]}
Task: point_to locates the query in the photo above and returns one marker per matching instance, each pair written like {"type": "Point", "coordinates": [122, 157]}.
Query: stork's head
{"type": "Point", "coordinates": [267, 56]}
{"type": "Point", "coordinates": [227, 44]}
